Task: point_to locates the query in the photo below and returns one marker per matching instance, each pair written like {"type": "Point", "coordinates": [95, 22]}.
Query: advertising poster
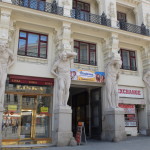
{"type": "Point", "coordinates": [128, 108]}
{"type": "Point", "coordinates": [44, 110]}
{"type": "Point", "coordinates": [87, 75]}
{"type": "Point", "coordinates": [12, 108]}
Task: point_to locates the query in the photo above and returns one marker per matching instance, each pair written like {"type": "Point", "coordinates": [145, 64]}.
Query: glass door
{"type": "Point", "coordinates": [96, 113]}
{"type": "Point", "coordinates": [28, 113]}
{"type": "Point", "coordinates": [26, 124]}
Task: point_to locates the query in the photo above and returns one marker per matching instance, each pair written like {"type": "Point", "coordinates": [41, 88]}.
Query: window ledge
{"type": "Point", "coordinates": [129, 72]}
{"type": "Point", "coordinates": [32, 59]}
{"type": "Point", "coordinates": [85, 67]}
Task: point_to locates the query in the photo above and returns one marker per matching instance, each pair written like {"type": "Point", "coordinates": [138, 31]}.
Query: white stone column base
{"type": "Point", "coordinates": [1, 119]}
{"type": "Point", "coordinates": [63, 138]}
{"type": "Point", "coordinates": [114, 125]}
{"type": "Point", "coordinates": [62, 134]}
{"type": "Point", "coordinates": [148, 119]}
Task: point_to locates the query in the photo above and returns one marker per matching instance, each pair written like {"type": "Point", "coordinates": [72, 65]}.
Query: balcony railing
{"type": "Point", "coordinates": [133, 28]}
{"type": "Point", "coordinates": [85, 61]}
{"type": "Point", "coordinates": [40, 5]}
{"type": "Point", "coordinates": [80, 15]}
{"type": "Point", "coordinates": [85, 16]}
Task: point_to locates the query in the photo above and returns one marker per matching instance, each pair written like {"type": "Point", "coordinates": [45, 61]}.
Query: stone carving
{"type": "Point", "coordinates": [146, 79]}
{"type": "Point", "coordinates": [6, 61]}
{"type": "Point", "coordinates": [148, 19]}
{"type": "Point", "coordinates": [61, 70]}
{"type": "Point", "coordinates": [66, 2]}
{"type": "Point", "coordinates": [112, 76]}
{"type": "Point", "coordinates": [112, 10]}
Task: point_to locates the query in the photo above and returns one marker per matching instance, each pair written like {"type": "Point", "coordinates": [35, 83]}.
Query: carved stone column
{"type": "Point", "coordinates": [6, 61]}
{"type": "Point", "coordinates": [67, 5]}
{"type": "Point", "coordinates": [145, 53]}
{"type": "Point", "coordinates": [113, 120]}
{"type": "Point", "coordinates": [109, 8]}
{"type": "Point", "coordinates": [5, 55]}
{"type": "Point", "coordinates": [62, 132]}
{"type": "Point", "coordinates": [110, 45]}
{"type": "Point", "coordinates": [4, 24]}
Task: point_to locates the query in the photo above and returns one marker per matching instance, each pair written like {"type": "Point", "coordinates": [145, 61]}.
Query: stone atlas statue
{"type": "Point", "coordinates": [146, 79]}
{"type": "Point", "coordinates": [112, 76]}
{"type": "Point", "coordinates": [6, 61]}
{"type": "Point", "coordinates": [61, 70]}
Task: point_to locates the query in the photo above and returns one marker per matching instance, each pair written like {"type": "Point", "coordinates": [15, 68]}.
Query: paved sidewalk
{"type": "Point", "coordinates": [131, 143]}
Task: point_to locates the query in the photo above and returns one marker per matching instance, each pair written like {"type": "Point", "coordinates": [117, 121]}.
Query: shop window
{"type": "Point", "coordinates": [86, 53]}
{"type": "Point", "coordinates": [128, 59]}
{"type": "Point", "coordinates": [32, 44]}
{"type": "Point", "coordinates": [130, 115]}
{"type": "Point", "coordinates": [27, 113]}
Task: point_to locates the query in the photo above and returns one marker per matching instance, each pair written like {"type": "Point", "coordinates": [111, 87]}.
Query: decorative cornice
{"type": "Point", "coordinates": [135, 2]}
{"type": "Point", "coordinates": [32, 60]}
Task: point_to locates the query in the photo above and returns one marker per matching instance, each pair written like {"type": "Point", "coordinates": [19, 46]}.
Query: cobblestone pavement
{"type": "Point", "coordinates": [131, 143]}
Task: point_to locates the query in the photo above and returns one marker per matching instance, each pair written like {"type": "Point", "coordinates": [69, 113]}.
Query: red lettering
{"type": "Point", "coordinates": [124, 91]}
{"type": "Point", "coordinates": [127, 91]}
{"type": "Point", "coordinates": [139, 92]}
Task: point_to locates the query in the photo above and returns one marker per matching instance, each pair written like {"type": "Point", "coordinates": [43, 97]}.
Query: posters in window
{"type": "Point", "coordinates": [128, 108]}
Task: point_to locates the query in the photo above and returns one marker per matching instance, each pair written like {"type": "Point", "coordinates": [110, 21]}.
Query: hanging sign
{"type": "Point", "coordinates": [80, 134]}
{"type": "Point", "coordinates": [87, 75]}
{"type": "Point", "coordinates": [12, 108]}
{"type": "Point", "coordinates": [44, 110]}
{"type": "Point", "coordinates": [128, 108]}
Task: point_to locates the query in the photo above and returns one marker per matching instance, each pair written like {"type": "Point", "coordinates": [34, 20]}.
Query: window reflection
{"type": "Point", "coordinates": [32, 44]}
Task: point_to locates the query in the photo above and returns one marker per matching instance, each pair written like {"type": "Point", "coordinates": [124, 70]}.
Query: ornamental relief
{"type": "Point", "coordinates": [32, 60]}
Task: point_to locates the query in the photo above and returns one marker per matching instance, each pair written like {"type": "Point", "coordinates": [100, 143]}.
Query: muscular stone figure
{"type": "Point", "coordinates": [61, 70]}
{"type": "Point", "coordinates": [112, 76]}
{"type": "Point", "coordinates": [6, 61]}
{"type": "Point", "coordinates": [146, 79]}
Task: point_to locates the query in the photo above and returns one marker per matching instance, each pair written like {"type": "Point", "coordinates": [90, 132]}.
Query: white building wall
{"type": "Point", "coordinates": [41, 22]}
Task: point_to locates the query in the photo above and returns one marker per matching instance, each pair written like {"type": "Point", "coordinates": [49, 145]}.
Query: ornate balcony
{"type": "Point", "coordinates": [133, 28]}
{"type": "Point", "coordinates": [40, 5]}
{"type": "Point", "coordinates": [80, 15]}
{"type": "Point", "coordinates": [85, 16]}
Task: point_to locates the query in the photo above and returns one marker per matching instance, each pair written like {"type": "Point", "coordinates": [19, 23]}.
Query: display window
{"type": "Point", "coordinates": [27, 114]}
{"type": "Point", "coordinates": [130, 115]}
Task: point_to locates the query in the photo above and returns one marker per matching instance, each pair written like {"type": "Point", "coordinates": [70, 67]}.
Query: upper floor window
{"type": "Point", "coordinates": [81, 6]}
{"type": "Point", "coordinates": [128, 59]}
{"type": "Point", "coordinates": [86, 53]}
{"type": "Point", "coordinates": [32, 44]}
{"type": "Point", "coordinates": [121, 16]}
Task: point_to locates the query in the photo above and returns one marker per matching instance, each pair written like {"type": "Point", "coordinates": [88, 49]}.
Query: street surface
{"type": "Point", "coordinates": [131, 143]}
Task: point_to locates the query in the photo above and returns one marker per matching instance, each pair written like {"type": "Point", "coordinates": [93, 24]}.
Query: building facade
{"type": "Point", "coordinates": [37, 32]}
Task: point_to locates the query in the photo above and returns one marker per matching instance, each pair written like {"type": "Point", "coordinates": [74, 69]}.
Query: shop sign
{"type": "Point", "coordinates": [131, 92]}
{"type": "Point", "coordinates": [44, 110]}
{"type": "Point", "coordinates": [12, 108]}
{"type": "Point", "coordinates": [87, 75]}
{"type": "Point", "coordinates": [30, 80]}
{"type": "Point", "coordinates": [130, 124]}
{"type": "Point", "coordinates": [128, 108]}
